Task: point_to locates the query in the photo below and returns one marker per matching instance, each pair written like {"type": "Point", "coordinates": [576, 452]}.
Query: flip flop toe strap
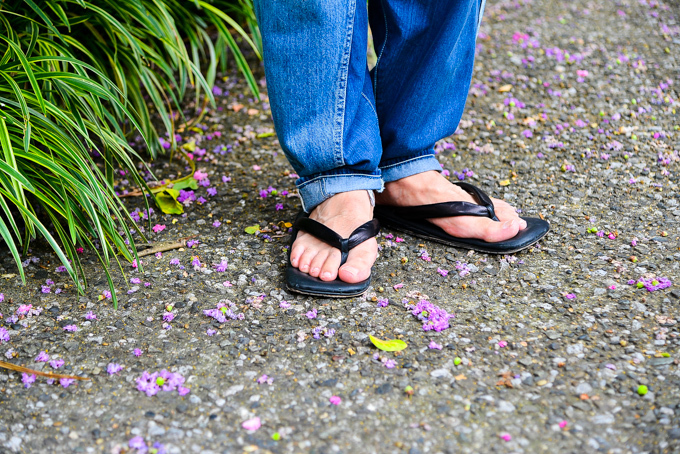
{"type": "Point", "coordinates": [362, 233]}
{"type": "Point", "coordinates": [483, 207]}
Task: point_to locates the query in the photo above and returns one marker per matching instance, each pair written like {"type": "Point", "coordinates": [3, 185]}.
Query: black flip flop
{"type": "Point", "coordinates": [299, 282]}
{"type": "Point", "coordinates": [413, 220]}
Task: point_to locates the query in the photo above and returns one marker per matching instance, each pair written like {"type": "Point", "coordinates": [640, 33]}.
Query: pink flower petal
{"type": "Point", "coordinates": [252, 424]}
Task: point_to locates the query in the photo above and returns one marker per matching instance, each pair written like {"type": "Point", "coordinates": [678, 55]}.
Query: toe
{"type": "Point", "coordinates": [359, 262]}
{"type": "Point", "coordinates": [329, 270]}
{"type": "Point", "coordinates": [317, 263]}
{"type": "Point", "coordinates": [506, 212]}
{"type": "Point", "coordinates": [306, 259]}
{"type": "Point", "coordinates": [295, 253]}
{"type": "Point", "coordinates": [499, 231]}
{"type": "Point", "coordinates": [479, 228]}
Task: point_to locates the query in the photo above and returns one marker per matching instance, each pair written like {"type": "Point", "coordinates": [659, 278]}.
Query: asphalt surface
{"type": "Point", "coordinates": [571, 117]}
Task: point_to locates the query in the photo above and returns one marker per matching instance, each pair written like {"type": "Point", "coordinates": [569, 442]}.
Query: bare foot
{"type": "Point", "coordinates": [343, 213]}
{"type": "Point", "coordinates": [431, 187]}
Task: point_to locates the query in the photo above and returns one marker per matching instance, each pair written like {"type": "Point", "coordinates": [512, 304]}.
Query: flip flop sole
{"type": "Point", "coordinates": [299, 282]}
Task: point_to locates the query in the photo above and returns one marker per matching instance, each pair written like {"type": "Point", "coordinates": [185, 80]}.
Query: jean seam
{"type": "Point", "coordinates": [369, 103]}
{"type": "Point", "coordinates": [407, 161]}
{"type": "Point", "coordinates": [313, 180]}
{"type": "Point", "coordinates": [382, 50]}
{"type": "Point", "coordinates": [341, 91]}
{"type": "Point", "coordinates": [480, 13]}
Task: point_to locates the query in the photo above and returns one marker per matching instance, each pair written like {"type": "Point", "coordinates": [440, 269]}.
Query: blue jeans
{"type": "Point", "coordinates": [343, 127]}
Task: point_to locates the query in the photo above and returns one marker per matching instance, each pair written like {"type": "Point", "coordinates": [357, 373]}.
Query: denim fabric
{"type": "Point", "coordinates": [343, 128]}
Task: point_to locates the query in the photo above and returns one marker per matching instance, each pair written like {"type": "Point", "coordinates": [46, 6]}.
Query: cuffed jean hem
{"type": "Point", "coordinates": [318, 189]}
{"type": "Point", "coordinates": [408, 167]}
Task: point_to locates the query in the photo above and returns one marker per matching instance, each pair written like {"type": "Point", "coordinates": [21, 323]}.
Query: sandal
{"type": "Point", "coordinates": [299, 282]}
{"type": "Point", "coordinates": [413, 220]}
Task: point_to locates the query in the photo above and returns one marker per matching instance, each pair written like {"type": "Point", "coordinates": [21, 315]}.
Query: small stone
{"type": "Point", "coordinates": [606, 418]}
{"type": "Point", "coordinates": [385, 388]}
{"type": "Point", "coordinates": [526, 362]}
{"type": "Point", "coordinates": [583, 388]}
{"type": "Point", "coordinates": [440, 373]}
{"type": "Point", "coordinates": [657, 362]}
{"type": "Point", "coordinates": [505, 406]}
{"type": "Point", "coordinates": [649, 416]}
{"type": "Point", "coordinates": [552, 335]}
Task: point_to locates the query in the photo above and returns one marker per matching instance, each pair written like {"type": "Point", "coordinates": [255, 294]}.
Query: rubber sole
{"type": "Point", "coordinates": [324, 295]}
{"type": "Point", "coordinates": [461, 245]}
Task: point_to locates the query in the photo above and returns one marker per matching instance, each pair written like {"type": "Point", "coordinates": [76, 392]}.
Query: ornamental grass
{"type": "Point", "coordinates": [78, 81]}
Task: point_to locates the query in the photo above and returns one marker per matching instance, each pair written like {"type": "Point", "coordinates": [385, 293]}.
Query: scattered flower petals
{"type": "Point", "coordinates": [66, 382]}
{"type": "Point", "coordinates": [113, 368]}
{"type": "Point", "coordinates": [435, 346]}
{"type": "Point", "coordinates": [335, 400]}
{"type": "Point", "coordinates": [432, 316]}
{"type": "Point", "coordinates": [27, 379]}
{"type": "Point", "coordinates": [252, 424]}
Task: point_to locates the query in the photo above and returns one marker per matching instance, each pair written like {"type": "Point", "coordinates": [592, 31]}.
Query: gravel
{"type": "Point", "coordinates": [553, 342]}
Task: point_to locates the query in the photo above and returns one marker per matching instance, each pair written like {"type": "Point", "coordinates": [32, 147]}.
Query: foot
{"type": "Point", "coordinates": [431, 187]}
{"type": "Point", "coordinates": [343, 213]}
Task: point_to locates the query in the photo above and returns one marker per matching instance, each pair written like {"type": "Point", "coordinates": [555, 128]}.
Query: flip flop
{"type": "Point", "coordinates": [413, 220]}
{"type": "Point", "coordinates": [299, 282]}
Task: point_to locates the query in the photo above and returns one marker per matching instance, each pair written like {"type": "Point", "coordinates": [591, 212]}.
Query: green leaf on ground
{"type": "Point", "coordinates": [253, 229]}
{"type": "Point", "coordinates": [167, 202]}
{"type": "Point", "coordinates": [183, 184]}
{"type": "Point", "coordinates": [394, 345]}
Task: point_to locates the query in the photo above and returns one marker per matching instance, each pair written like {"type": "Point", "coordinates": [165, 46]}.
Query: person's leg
{"type": "Point", "coordinates": [322, 103]}
{"type": "Point", "coordinates": [425, 59]}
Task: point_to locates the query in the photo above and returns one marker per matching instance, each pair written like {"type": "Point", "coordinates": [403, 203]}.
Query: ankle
{"type": "Point", "coordinates": [357, 204]}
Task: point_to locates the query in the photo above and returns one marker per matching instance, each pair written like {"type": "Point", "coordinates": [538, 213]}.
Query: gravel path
{"type": "Point", "coordinates": [572, 117]}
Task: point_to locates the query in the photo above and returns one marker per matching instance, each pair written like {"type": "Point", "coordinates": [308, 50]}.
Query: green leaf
{"type": "Point", "coordinates": [253, 229]}
{"type": "Point", "coordinates": [394, 345]}
{"type": "Point", "coordinates": [167, 202]}
{"type": "Point", "coordinates": [183, 184]}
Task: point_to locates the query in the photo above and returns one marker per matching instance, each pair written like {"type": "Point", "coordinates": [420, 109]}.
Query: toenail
{"type": "Point", "coordinates": [522, 224]}
{"type": "Point", "coordinates": [304, 268]}
{"type": "Point", "coordinates": [314, 270]}
{"type": "Point", "coordinates": [327, 275]}
{"type": "Point", "coordinates": [508, 224]}
{"type": "Point", "coordinates": [350, 270]}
